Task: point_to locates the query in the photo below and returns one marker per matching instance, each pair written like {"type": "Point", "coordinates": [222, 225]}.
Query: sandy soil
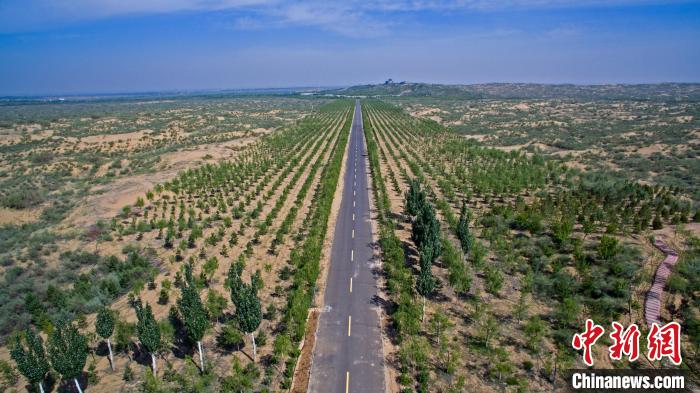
{"type": "Point", "coordinates": [106, 201]}
{"type": "Point", "coordinates": [302, 372]}
{"type": "Point", "coordinates": [477, 137]}
{"type": "Point", "coordinates": [651, 149]}
{"type": "Point", "coordinates": [12, 216]}
{"type": "Point", "coordinates": [124, 137]}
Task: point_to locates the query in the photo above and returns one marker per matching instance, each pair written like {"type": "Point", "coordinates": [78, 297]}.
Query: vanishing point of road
{"type": "Point", "coordinates": [348, 354]}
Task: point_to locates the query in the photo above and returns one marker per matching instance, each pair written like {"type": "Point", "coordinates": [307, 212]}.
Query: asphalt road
{"type": "Point", "coordinates": [348, 353]}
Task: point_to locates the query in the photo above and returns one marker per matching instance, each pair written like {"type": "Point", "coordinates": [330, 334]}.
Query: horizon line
{"type": "Point", "coordinates": [208, 91]}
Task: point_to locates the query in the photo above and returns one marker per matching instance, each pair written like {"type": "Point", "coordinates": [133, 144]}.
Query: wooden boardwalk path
{"type": "Point", "coordinates": [652, 305]}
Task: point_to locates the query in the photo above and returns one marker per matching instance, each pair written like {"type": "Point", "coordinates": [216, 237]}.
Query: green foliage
{"type": "Point", "coordinates": [415, 198]}
{"type": "Point", "coordinates": [209, 267]}
{"type": "Point", "coordinates": [245, 299]}
{"type": "Point", "coordinates": [194, 314]}
{"type": "Point", "coordinates": [242, 379]}
{"type": "Point", "coordinates": [31, 360]}
{"type": "Point", "coordinates": [67, 350]}
{"type": "Point", "coordinates": [425, 284]}
{"type": "Point", "coordinates": [147, 328]}
{"type": "Point", "coordinates": [425, 233]}
{"type": "Point", "coordinates": [607, 247]}
{"type": "Point", "coordinates": [8, 375]}
{"type": "Point", "coordinates": [124, 333]}
{"type": "Point", "coordinates": [230, 336]}
{"type": "Point", "coordinates": [216, 304]}
{"type": "Point", "coordinates": [104, 324]}
{"type": "Point", "coordinates": [534, 330]}
{"type": "Point", "coordinates": [459, 275]}
{"type": "Point", "coordinates": [462, 229]}
{"type": "Point", "coordinates": [22, 199]}
{"type": "Point", "coordinates": [493, 279]}
{"type": "Point", "coordinates": [248, 310]}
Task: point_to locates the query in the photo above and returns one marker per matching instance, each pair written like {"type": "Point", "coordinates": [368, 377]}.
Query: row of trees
{"type": "Point", "coordinates": [67, 353]}
{"type": "Point", "coordinates": [182, 210]}
{"type": "Point", "coordinates": [425, 233]}
{"type": "Point", "coordinates": [68, 349]}
{"type": "Point", "coordinates": [427, 166]}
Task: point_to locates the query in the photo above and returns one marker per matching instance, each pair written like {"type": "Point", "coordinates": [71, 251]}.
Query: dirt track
{"type": "Point", "coordinates": [652, 304]}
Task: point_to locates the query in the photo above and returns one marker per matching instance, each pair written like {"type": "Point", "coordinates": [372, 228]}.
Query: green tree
{"type": "Point", "coordinates": [425, 232]}
{"type": "Point", "coordinates": [439, 322]}
{"type": "Point", "coordinates": [216, 304]}
{"type": "Point", "coordinates": [425, 285]}
{"type": "Point", "coordinates": [415, 198]}
{"type": "Point", "coordinates": [194, 314]}
{"type": "Point", "coordinates": [488, 328]}
{"type": "Point", "coordinates": [104, 327]}
{"type": "Point", "coordinates": [493, 279]}
{"type": "Point", "coordinates": [31, 361]}
{"type": "Point", "coordinates": [68, 351]}
{"type": "Point", "coordinates": [562, 229]}
{"type": "Point", "coordinates": [8, 374]}
{"type": "Point", "coordinates": [148, 331]}
{"type": "Point", "coordinates": [210, 267]}
{"type": "Point", "coordinates": [242, 379]}
{"type": "Point", "coordinates": [462, 229]}
{"type": "Point", "coordinates": [534, 331]}
{"type": "Point", "coordinates": [245, 298]}
{"type": "Point", "coordinates": [607, 248]}
{"type": "Point", "coordinates": [248, 313]}
{"type": "Point", "coordinates": [568, 310]}
{"type": "Point", "coordinates": [520, 308]}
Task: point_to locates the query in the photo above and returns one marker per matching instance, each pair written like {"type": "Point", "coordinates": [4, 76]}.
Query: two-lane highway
{"type": "Point", "coordinates": [348, 353]}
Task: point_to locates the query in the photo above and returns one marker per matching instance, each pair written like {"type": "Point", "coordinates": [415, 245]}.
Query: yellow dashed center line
{"type": "Point", "coordinates": [350, 284]}
{"type": "Point", "coordinates": [349, 324]}
{"type": "Point", "coordinates": [347, 381]}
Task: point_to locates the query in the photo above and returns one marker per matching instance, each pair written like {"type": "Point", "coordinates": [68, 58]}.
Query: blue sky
{"type": "Point", "coordinates": [96, 46]}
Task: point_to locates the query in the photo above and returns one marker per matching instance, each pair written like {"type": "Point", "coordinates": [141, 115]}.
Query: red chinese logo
{"type": "Point", "coordinates": [586, 340]}
{"type": "Point", "coordinates": [665, 342]}
{"type": "Point", "coordinates": [624, 342]}
{"type": "Point", "coordinates": [662, 341]}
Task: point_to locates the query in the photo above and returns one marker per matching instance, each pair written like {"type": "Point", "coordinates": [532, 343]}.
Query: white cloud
{"type": "Point", "coordinates": [338, 18]}
{"type": "Point", "coordinates": [347, 17]}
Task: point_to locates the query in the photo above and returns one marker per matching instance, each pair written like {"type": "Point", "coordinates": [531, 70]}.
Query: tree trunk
{"type": "Point", "coordinates": [153, 365]}
{"type": "Point", "coordinates": [201, 356]}
{"type": "Point", "coordinates": [554, 372]}
{"type": "Point", "coordinates": [41, 387]}
{"type": "Point", "coordinates": [438, 334]}
{"type": "Point", "coordinates": [111, 357]}
{"type": "Point", "coordinates": [77, 385]}
{"type": "Point", "coordinates": [254, 348]}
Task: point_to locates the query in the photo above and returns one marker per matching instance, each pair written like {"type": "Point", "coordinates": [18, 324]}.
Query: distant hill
{"type": "Point", "coordinates": [654, 92]}
{"type": "Point", "coordinates": [407, 89]}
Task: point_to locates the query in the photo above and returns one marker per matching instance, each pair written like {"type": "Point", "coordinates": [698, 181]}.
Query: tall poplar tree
{"type": "Point", "coordinates": [148, 331]}
{"type": "Point", "coordinates": [245, 298]}
{"type": "Point", "coordinates": [31, 361]}
{"type": "Point", "coordinates": [68, 352]}
{"type": "Point", "coordinates": [194, 314]}
{"type": "Point", "coordinates": [104, 327]}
